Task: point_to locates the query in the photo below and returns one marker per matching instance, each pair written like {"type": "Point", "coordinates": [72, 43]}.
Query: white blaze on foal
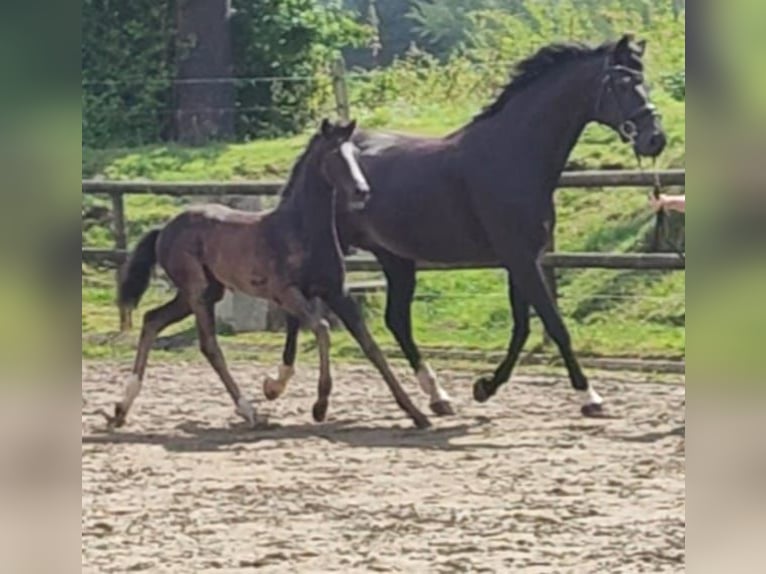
{"type": "Point", "coordinates": [348, 151]}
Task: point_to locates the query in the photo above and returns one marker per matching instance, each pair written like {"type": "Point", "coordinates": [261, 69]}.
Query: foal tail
{"type": "Point", "coordinates": [135, 277]}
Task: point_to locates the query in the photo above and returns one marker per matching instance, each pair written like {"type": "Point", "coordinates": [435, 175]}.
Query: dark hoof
{"type": "Point", "coordinates": [482, 390]}
{"type": "Point", "coordinates": [592, 410]}
{"type": "Point", "coordinates": [421, 421]}
{"type": "Point", "coordinates": [320, 410]}
{"type": "Point", "coordinates": [116, 421]}
{"type": "Point", "coordinates": [442, 409]}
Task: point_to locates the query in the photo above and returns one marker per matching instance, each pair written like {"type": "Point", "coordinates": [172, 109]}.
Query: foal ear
{"type": "Point", "coordinates": [348, 130]}
{"type": "Point", "coordinates": [326, 128]}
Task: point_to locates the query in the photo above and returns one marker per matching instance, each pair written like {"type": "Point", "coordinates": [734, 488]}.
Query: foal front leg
{"type": "Point", "coordinates": [273, 388]}
{"type": "Point", "coordinates": [348, 312]}
{"type": "Point", "coordinates": [296, 304]}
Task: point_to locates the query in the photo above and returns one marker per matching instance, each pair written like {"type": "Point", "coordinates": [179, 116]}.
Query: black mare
{"type": "Point", "coordinates": [484, 194]}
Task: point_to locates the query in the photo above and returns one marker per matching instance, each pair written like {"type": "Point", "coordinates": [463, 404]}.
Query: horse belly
{"type": "Point", "coordinates": [435, 237]}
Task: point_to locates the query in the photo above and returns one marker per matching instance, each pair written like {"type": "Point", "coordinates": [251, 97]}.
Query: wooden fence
{"type": "Point", "coordinates": [585, 180]}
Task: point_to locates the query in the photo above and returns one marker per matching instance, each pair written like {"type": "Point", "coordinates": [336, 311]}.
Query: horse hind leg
{"type": "Point", "coordinates": [155, 321]}
{"type": "Point", "coordinates": [400, 275]}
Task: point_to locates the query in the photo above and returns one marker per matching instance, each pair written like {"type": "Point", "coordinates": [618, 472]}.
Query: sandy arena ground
{"type": "Point", "coordinates": [520, 484]}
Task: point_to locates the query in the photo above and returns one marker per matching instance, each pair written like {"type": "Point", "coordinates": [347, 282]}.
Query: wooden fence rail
{"type": "Point", "coordinates": [586, 180]}
{"type": "Point", "coordinates": [646, 261]}
{"type": "Point", "coordinates": [571, 180]}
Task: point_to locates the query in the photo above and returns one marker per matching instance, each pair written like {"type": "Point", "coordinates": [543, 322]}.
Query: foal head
{"type": "Point", "coordinates": [623, 102]}
{"type": "Point", "coordinates": [338, 163]}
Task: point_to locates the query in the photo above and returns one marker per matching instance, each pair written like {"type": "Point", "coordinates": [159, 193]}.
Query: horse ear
{"type": "Point", "coordinates": [622, 50]}
{"type": "Point", "coordinates": [326, 128]}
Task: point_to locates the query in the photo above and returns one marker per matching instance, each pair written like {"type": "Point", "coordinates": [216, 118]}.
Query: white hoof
{"type": "Point", "coordinates": [246, 411]}
{"type": "Point", "coordinates": [591, 397]}
{"type": "Point", "coordinates": [427, 379]}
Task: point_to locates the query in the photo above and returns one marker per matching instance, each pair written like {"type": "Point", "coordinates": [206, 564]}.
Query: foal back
{"type": "Point", "coordinates": [242, 250]}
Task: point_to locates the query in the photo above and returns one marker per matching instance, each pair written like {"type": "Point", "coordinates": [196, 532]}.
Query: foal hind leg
{"type": "Point", "coordinates": [348, 312]}
{"type": "Point", "coordinates": [300, 309]}
{"type": "Point", "coordinates": [154, 322]}
{"type": "Point", "coordinates": [485, 387]}
{"type": "Point", "coordinates": [400, 275]}
{"type": "Point", "coordinates": [274, 387]}
{"type": "Point", "coordinates": [203, 308]}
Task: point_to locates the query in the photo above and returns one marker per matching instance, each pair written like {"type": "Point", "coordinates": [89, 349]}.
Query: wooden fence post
{"type": "Point", "coordinates": [340, 89]}
{"type": "Point", "coordinates": [121, 244]}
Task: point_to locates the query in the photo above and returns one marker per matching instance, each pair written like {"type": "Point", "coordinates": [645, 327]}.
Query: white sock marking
{"type": "Point", "coordinates": [429, 384]}
{"type": "Point", "coordinates": [245, 410]}
{"type": "Point", "coordinates": [591, 397]}
{"type": "Point", "coordinates": [131, 390]}
{"type": "Point", "coordinates": [275, 387]}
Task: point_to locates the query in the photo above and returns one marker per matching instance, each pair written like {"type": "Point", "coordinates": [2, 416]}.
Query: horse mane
{"type": "Point", "coordinates": [539, 64]}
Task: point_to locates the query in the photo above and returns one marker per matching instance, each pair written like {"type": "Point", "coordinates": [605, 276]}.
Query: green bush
{"type": "Point", "coordinates": [290, 39]}
{"type": "Point", "coordinates": [129, 50]}
{"type": "Point", "coordinates": [126, 54]}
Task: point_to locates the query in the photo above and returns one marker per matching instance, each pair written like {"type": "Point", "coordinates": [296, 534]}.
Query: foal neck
{"type": "Point", "coordinates": [315, 207]}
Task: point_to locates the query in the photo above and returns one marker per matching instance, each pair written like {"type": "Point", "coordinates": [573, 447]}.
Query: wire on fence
{"type": "Point", "coordinates": [239, 80]}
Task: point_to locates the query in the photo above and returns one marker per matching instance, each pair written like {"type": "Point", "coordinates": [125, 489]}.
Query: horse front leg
{"type": "Point", "coordinates": [400, 276]}
{"type": "Point", "coordinates": [485, 387]}
{"type": "Point", "coordinates": [528, 279]}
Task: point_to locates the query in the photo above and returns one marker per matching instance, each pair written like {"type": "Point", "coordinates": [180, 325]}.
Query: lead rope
{"type": "Point", "coordinates": [661, 220]}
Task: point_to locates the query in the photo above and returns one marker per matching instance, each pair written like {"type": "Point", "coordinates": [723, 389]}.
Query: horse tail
{"type": "Point", "coordinates": [135, 278]}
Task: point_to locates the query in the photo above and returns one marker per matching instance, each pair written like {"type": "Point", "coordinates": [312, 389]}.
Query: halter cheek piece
{"type": "Point", "coordinates": [627, 127]}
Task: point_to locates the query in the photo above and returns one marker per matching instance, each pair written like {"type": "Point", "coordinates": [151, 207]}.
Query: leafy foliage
{"type": "Point", "coordinates": [126, 55]}
{"type": "Point", "coordinates": [129, 50]}
{"type": "Point", "coordinates": [289, 39]}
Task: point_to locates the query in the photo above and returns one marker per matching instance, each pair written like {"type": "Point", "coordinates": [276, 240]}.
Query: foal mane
{"type": "Point", "coordinates": [544, 61]}
{"type": "Point", "coordinates": [296, 172]}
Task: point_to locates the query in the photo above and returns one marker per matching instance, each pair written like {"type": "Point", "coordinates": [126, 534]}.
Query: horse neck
{"type": "Point", "coordinates": [545, 120]}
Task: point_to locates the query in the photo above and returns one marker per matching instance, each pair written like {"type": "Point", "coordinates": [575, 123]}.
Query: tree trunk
{"type": "Point", "coordinates": [205, 99]}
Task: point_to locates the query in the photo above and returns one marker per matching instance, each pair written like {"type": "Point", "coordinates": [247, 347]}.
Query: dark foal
{"type": "Point", "coordinates": [290, 255]}
{"type": "Point", "coordinates": [484, 194]}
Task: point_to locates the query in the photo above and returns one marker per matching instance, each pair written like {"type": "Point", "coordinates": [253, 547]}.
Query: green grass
{"type": "Point", "coordinates": [609, 313]}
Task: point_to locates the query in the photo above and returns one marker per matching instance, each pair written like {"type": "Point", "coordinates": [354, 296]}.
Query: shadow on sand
{"type": "Point", "coordinates": [199, 438]}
